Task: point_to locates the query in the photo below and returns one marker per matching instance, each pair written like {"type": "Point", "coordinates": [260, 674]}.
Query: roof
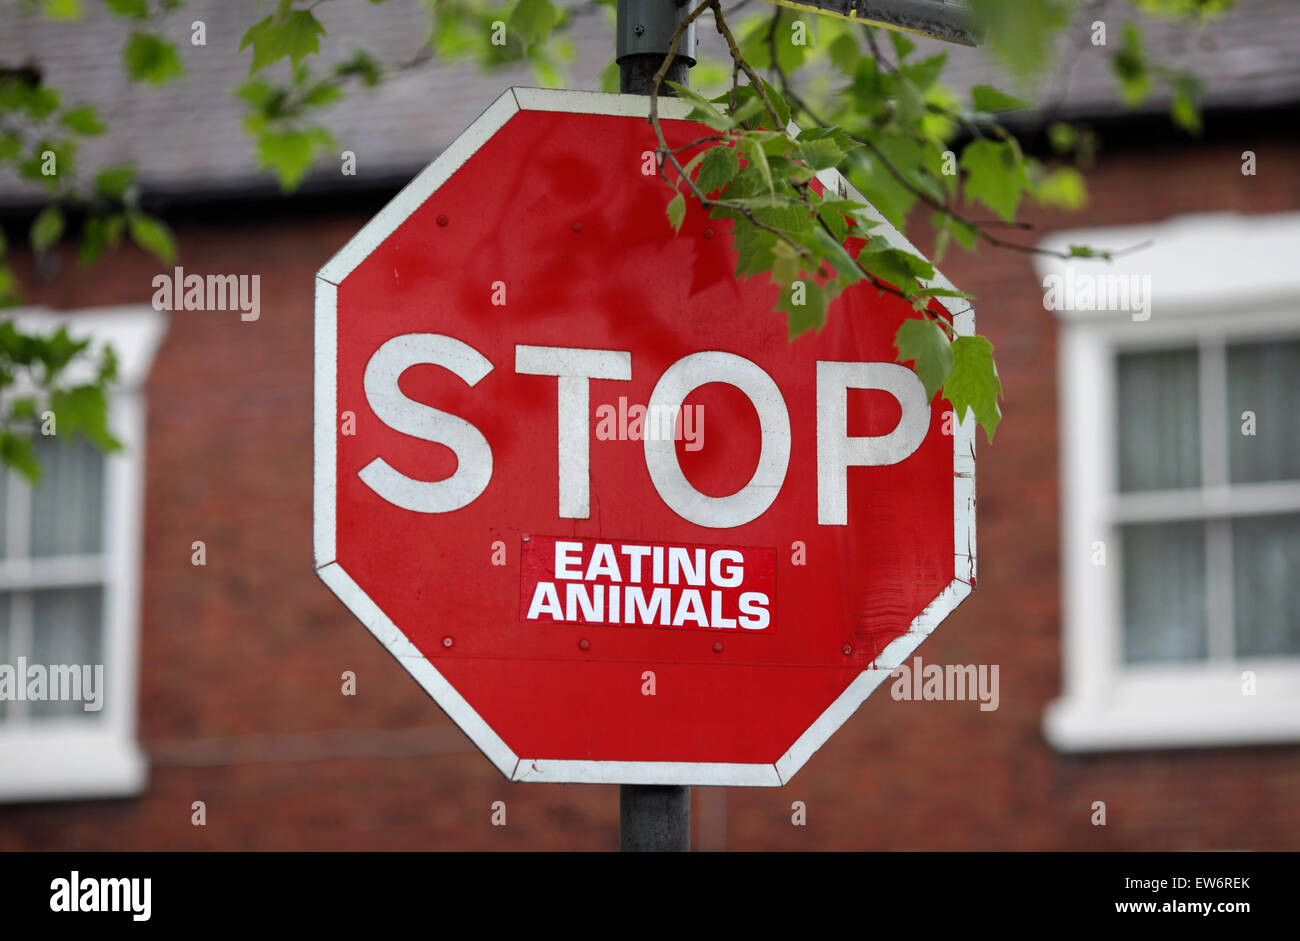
{"type": "Point", "coordinates": [195, 142]}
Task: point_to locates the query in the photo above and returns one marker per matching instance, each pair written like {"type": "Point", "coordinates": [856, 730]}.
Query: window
{"type": "Point", "coordinates": [1180, 457]}
{"type": "Point", "coordinates": [69, 587]}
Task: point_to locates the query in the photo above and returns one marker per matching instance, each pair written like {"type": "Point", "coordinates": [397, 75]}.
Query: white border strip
{"type": "Point", "coordinates": [388, 634]}
{"type": "Point", "coordinates": [325, 417]}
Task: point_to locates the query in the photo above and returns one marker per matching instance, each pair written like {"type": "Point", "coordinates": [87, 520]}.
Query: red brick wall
{"type": "Point", "coordinates": [252, 645]}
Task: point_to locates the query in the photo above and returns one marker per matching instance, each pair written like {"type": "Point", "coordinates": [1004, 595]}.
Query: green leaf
{"type": "Point", "coordinates": [965, 234]}
{"type": "Point", "coordinates": [704, 111]}
{"type": "Point", "coordinates": [84, 409]}
{"type": "Point", "coordinates": [809, 315]}
{"type": "Point", "coordinates": [83, 119]}
{"type": "Point", "coordinates": [153, 236]}
{"type": "Point", "coordinates": [1063, 137]}
{"type": "Point", "coordinates": [785, 263]}
{"type": "Point", "coordinates": [11, 145]}
{"type": "Point", "coordinates": [532, 20]}
{"type": "Point", "coordinates": [973, 383]}
{"type": "Point", "coordinates": [98, 234]}
{"type": "Point", "coordinates": [1063, 187]}
{"type": "Point", "coordinates": [610, 77]}
{"type": "Point", "coordinates": [719, 167]}
{"type": "Point", "coordinates": [820, 154]}
{"type": "Point", "coordinates": [886, 264]}
{"type": "Point", "coordinates": [754, 248]}
{"type": "Point", "coordinates": [1022, 34]}
{"type": "Point", "coordinates": [925, 73]}
{"type": "Point", "coordinates": [289, 154]}
{"type": "Point", "coordinates": [135, 9]}
{"type": "Point", "coordinates": [113, 182]}
{"type": "Point", "coordinates": [149, 58]}
{"type": "Point", "coordinates": [844, 53]}
{"type": "Point", "coordinates": [748, 107]}
{"type": "Point", "coordinates": [988, 98]}
{"type": "Point", "coordinates": [1185, 113]}
{"type": "Point", "coordinates": [47, 229]}
{"type": "Point", "coordinates": [10, 294]}
{"type": "Point", "coordinates": [926, 344]}
{"type": "Point", "coordinates": [366, 68]}
{"type": "Point", "coordinates": [903, 47]}
{"type": "Point", "coordinates": [292, 33]}
{"type": "Point", "coordinates": [834, 252]}
{"type": "Point", "coordinates": [1130, 67]}
{"type": "Point", "coordinates": [777, 101]}
{"type": "Point", "coordinates": [758, 158]}
{"type": "Point", "coordinates": [62, 10]}
{"type": "Point", "coordinates": [676, 212]}
{"type": "Point", "coordinates": [995, 175]}
{"type": "Point", "coordinates": [834, 214]}
{"type": "Point", "coordinates": [16, 452]}
{"type": "Point", "coordinates": [1183, 106]}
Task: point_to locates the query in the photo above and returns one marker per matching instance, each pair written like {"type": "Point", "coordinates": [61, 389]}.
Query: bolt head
{"type": "Point", "coordinates": [447, 641]}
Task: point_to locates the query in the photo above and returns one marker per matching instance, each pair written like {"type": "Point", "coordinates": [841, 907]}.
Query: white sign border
{"type": "Point", "coordinates": [515, 768]}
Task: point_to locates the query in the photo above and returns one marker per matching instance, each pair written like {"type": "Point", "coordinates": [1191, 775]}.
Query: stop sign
{"type": "Point", "coordinates": [574, 475]}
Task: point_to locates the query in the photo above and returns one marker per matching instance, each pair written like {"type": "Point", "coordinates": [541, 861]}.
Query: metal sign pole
{"type": "Point", "coordinates": [653, 818]}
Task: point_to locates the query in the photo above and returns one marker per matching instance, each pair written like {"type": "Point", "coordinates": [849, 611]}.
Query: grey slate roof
{"type": "Point", "coordinates": [187, 135]}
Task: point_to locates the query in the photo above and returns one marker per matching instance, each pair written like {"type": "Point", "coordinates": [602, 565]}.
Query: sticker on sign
{"type": "Point", "coordinates": [648, 585]}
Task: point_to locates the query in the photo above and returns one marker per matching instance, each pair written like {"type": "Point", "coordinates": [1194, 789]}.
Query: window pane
{"type": "Point", "coordinates": [1262, 379]}
{"type": "Point", "coordinates": [1164, 592]}
{"type": "Point", "coordinates": [68, 503]}
{"type": "Point", "coordinates": [66, 631]}
{"type": "Point", "coordinates": [1266, 593]}
{"type": "Point", "coordinates": [6, 650]}
{"type": "Point", "coordinates": [4, 515]}
{"type": "Point", "coordinates": [1159, 420]}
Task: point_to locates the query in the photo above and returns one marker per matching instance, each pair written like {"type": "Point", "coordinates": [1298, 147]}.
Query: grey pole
{"type": "Point", "coordinates": [653, 818]}
{"type": "Point", "coordinates": [644, 32]}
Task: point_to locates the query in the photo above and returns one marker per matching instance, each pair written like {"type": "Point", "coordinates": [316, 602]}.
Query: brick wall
{"type": "Point", "coordinates": [240, 702]}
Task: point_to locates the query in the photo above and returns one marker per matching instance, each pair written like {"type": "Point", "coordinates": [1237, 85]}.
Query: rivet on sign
{"type": "Point", "coordinates": [584, 644]}
{"type": "Point", "coordinates": [447, 641]}
{"type": "Point", "coordinates": [848, 649]}
{"type": "Point", "coordinates": [526, 538]}
{"type": "Point", "coordinates": [442, 220]}
{"type": "Point", "coordinates": [639, 30]}
{"type": "Point", "coordinates": [717, 646]}
{"type": "Point", "coordinates": [708, 233]}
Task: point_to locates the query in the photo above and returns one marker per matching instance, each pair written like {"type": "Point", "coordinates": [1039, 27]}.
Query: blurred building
{"type": "Point", "coordinates": [1140, 548]}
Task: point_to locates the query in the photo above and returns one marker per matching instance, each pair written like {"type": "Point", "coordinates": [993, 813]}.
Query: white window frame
{"type": "Point", "coordinates": [58, 758]}
{"type": "Point", "coordinates": [1198, 298]}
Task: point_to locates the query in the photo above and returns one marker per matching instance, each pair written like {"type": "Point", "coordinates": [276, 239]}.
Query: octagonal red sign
{"type": "Point", "coordinates": [572, 473]}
